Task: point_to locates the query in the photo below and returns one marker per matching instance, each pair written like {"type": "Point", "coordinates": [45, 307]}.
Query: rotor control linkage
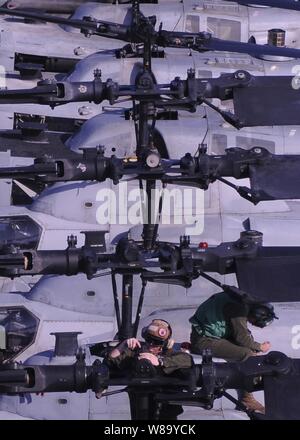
{"type": "Point", "coordinates": [142, 30]}
{"type": "Point", "coordinates": [179, 263]}
{"type": "Point", "coordinates": [257, 100]}
{"type": "Point", "coordinates": [200, 385]}
{"type": "Point", "coordinates": [272, 177]}
{"type": "Point", "coordinates": [270, 273]}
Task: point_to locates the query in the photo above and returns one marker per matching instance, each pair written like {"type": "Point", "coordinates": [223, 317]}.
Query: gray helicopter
{"type": "Point", "coordinates": [81, 141]}
{"type": "Point", "coordinates": [61, 370]}
{"type": "Point", "coordinates": [27, 407]}
{"type": "Point", "coordinates": [88, 110]}
{"type": "Point", "coordinates": [67, 6]}
{"type": "Point", "coordinates": [227, 231]}
{"type": "Point", "coordinates": [28, 67]}
{"type": "Point", "coordinates": [240, 24]}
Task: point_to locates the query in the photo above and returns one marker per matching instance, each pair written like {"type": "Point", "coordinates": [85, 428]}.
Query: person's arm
{"type": "Point", "coordinates": [237, 315]}
{"type": "Point", "coordinates": [131, 344]}
{"type": "Point", "coordinates": [122, 353]}
{"type": "Point", "coordinates": [176, 361]}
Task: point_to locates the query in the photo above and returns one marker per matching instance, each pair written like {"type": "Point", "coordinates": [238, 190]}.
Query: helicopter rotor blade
{"type": "Point", "coordinates": [204, 41]}
{"type": "Point", "coordinates": [139, 33]}
{"type": "Point", "coordinates": [78, 24]}
{"type": "Point", "coordinates": [282, 4]}
{"type": "Point", "coordinates": [87, 26]}
{"type": "Point", "coordinates": [55, 6]}
{"type": "Point", "coordinates": [278, 179]}
{"type": "Point", "coordinates": [249, 48]}
{"type": "Point", "coordinates": [258, 104]}
{"type": "Point", "coordinates": [272, 177]}
{"type": "Point", "coordinates": [28, 172]}
{"type": "Point", "coordinates": [281, 264]}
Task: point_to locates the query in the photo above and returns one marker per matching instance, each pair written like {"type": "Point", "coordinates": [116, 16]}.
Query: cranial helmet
{"type": "Point", "coordinates": [158, 332]}
{"type": "Point", "coordinates": [262, 314]}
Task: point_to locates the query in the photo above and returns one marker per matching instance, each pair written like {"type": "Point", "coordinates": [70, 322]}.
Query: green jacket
{"type": "Point", "coordinates": [172, 360]}
{"type": "Point", "coordinates": [220, 316]}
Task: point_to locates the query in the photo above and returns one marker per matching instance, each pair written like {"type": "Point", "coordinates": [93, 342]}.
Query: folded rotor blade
{"type": "Point", "coordinates": [282, 4]}
{"type": "Point", "coordinates": [79, 24]}
{"type": "Point", "coordinates": [249, 48]}
{"type": "Point", "coordinates": [202, 41]}
{"type": "Point", "coordinates": [273, 275]}
{"type": "Point", "coordinates": [277, 179]}
{"type": "Point", "coordinates": [57, 6]}
{"type": "Point", "coordinates": [267, 102]}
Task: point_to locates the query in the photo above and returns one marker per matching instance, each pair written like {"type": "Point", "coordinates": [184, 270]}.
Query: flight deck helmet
{"type": "Point", "coordinates": [158, 333]}
{"type": "Point", "coordinates": [261, 314]}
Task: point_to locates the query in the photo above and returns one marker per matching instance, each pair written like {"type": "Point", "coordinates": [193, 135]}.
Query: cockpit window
{"type": "Point", "coordinates": [223, 28]}
{"type": "Point", "coordinates": [18, 328]}
{"type": "Point", "coordinates": [21, 231]}
{"type": "Point", "coordinates": [192, 23]}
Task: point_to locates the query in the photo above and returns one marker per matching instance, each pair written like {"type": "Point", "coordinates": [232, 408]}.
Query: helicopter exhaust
{"type": "Point", "coordinates": [66, 343]}
{"type": "Point", "coordinates": [276, 37]}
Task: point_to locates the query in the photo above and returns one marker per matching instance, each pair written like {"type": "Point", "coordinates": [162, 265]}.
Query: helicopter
{"type": "Point", "coordinates": [197, 387]}
{"type": "Point", "coordinates": [30, 322]}
{"type": "Point", "coordinates": [125, 92]}
{"type": "Point", "coordinates": [275, 38]}
{"type": "Point", "coordinates": [15, 94]}
{"type": "Point", "coordinates": [113, 88]}
{"type": "Point", "coordinates": [286, 313]}
{"type": "Point", "coordinates": [139, 19]}
{"type": "Point", "coordinates": [126, 70]}
{"type": "Point", "coordinates": [70, 5]}
{"type": "Point", "coordinates": [181, 19]}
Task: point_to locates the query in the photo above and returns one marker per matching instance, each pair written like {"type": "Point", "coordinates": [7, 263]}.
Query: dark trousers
{"type": "Point", "coordinates": [220, 348]}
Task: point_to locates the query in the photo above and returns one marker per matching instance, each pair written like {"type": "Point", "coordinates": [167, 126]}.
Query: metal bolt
{"type": "Point", "coordinates": [145, 82]}
{"type": "Point", "coordinates": [97, 73]}
{"type": "Point", "coordinates": [153, 160]}
{"type": "Point", "coordinates": [72, 241]}
{"type": "Point", "coordinates": [79, 51]}
{"type": "Point", "coordinates": [84, 111]}
{"type": "Point", "coordinates": [257, 150]}
{"type": "Point", "coordinates": [240, 75]}
{"type": "Point", "coordinates": [191, 73]}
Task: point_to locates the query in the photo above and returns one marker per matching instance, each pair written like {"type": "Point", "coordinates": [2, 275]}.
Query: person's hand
{"type": "Point", "coordinates": [133, 343]}
{"type": "Point", "coordinates": [150, 357]}
{"type": "Point", "coordinates": [265, 346]}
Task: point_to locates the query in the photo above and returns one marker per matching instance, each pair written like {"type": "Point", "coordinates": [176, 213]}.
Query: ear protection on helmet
{"type": "Point", "coordinates": [158, 332]}
{"type": "Point", "coordinates": [262, 314]}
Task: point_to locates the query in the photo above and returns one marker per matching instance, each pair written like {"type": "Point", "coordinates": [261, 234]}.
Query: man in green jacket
{"type": "Point", "coordinates": [220, 324]}
{"type": "Point", "coordinates": [157, 349]}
